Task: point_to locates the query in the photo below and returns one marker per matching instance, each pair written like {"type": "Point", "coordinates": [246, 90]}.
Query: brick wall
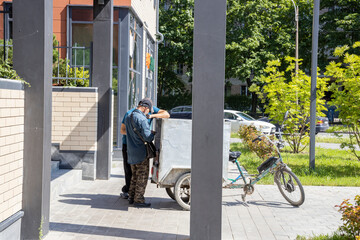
{"type": "Point", "coordinates": [11, 150]}
{"type": "Point", "coordinates": [74, 118]}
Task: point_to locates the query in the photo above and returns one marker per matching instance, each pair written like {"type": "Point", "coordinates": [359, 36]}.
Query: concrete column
{"type": "Point", "coordinates": [102, 79]}
{"type": "Point", "coordinates": [123, 84]}
{"type": "Point", "coordinates": [208, 119]}
{"type": "Point", "coordinates": [33, 62]}
{"type": "Point", "coordinates": [314, 59]}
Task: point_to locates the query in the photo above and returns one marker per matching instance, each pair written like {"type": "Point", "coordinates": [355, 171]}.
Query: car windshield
{"type": "Point", "coordinates": [245, 116]}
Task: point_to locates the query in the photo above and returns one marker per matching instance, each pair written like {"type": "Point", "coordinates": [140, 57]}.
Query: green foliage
{"type": "Point", "coordinates": [260, 31]}
{"type": "Point", "coordinates": [280, 93]}
{"type": "Point", "coordinates": [333, 167]}
{"type": "Point", "coordinates": [8, 52]}
{"type": "Point", "coordinates": [334, 236]}
{"type": "Point", "coordinates": [350, 217]}
{"type": "Point", "coordinates": [170, 101]}
{"type": "Point", "coordinates": [177, 25]}
{"type": "Point", "coordinates": [238, 102]}
{"type": "Point", "coordinates": [70, 72]}
{"type": "Point", "coordinates": [6, 63]}
{"type": "Point", "coordinates": [340, 26]}
{"type": "Point", "coordinates": [62, 69]}
{"type": "Point", "coordinates": [263, 149]}
{"type": "Point", "coordinates": [41, 228]}
{"type": "Point", "coordinates": [346, 92]}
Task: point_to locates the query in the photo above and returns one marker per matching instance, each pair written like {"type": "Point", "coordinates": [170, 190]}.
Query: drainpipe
{"type": "Point", "coordinates": [158, 34]}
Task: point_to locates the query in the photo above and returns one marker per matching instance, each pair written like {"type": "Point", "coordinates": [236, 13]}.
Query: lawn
{"type": "Point", "coordinates": [320, 139]}
{"type": "Point", "coordinates": [332, 167]}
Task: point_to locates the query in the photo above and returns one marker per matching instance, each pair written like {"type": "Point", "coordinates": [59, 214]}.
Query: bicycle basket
{"type": "Point", "coordinates": [268, 163]}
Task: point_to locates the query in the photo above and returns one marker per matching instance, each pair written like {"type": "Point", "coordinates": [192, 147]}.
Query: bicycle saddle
{"type": "Point", "coordinates": [233, 156]}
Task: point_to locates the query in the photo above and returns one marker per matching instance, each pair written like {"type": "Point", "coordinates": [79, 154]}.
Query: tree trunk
{"type": "Point", "coordinates": [253, 98]}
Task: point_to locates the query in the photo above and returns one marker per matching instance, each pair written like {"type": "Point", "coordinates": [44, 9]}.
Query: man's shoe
{"type": "Point", "coordinates": [124, 195]}
{"type": "Point", "coordinates": [131, 201]}
{"type": "Point", "coordinates": [144, 204]}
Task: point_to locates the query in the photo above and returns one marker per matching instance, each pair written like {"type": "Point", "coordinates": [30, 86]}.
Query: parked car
{"type": "Point", "coordinates": [237, 118]}
{"type": "Point", "coordinates": [184, 112]}
{"type": "Point", "coordinates": [322, 123]}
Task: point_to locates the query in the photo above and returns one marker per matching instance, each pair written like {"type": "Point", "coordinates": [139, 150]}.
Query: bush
{"type": "Point", "coordinates": [350, 217]}
{"type": "Point", "coordinates": [263, 149]}
{"type": "Point", "coordinates": [346, 73]}
{"type": "Point", "coordinates": [66, 71]}
{"type": "Point", "coordinates": [281, 93]}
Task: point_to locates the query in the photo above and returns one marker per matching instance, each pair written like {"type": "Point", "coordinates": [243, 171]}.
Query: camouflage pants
{"type": "Point", "coordinates": [139, 179]}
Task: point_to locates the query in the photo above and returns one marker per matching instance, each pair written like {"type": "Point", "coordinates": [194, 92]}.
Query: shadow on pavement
{"type": "Point", "coordinates": [102, 201]}
{"type": "Point", "coordinates": [117, 176]}
{"type": "Point", "coordinates": [259, 203]}
{"type": "Point", "coordinates": [112, 231]}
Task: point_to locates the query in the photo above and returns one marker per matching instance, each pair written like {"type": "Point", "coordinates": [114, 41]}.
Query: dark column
{"type": "Point", "coordinates": [102, 79]}
{"type": "Point", "coordinates": [208, 103]}
{"type": "Point", "coordinates": [123, 85]}
{"type": "Point", "coordinates": [33, 62]}
{"type": "Point", "coordinates": [314, 58]}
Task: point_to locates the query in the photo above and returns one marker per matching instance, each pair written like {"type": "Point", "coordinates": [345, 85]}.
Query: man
{"type": "Point", "coordinates": [136, 123]}
{"type": "Point", "coordinates": [156, 113]}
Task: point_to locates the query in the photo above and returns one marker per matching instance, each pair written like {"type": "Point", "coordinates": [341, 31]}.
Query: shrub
{"type": "Point", "coordinates": [347, 75]}
{"type": "Point", "coordinates": [282, 91]}
{"type": "Point", "coordinates": [263, 149]}
{"type": "Point", "coordinates": [350, 217]}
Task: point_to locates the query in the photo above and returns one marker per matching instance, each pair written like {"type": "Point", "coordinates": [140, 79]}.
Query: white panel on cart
{"type": "Point", "coordinates": [175, 149]}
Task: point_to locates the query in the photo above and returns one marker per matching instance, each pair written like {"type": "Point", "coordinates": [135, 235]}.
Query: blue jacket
{"type": "Point", "coordinates": [156, 110]}
{"type": "Point", "coordinates": [136, 149]}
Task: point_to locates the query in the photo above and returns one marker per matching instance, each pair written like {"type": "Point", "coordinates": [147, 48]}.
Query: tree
{"type": "Point", "coordinates": [177, 25]}
{"type": "Point", "coordinates": [281, 93]}
{"type": "Point", "coordinates": [259, 31]}
{"type": "Point", "coordinates": [346, 91]}
{"type": "Point", "coordinates": [340, 26]}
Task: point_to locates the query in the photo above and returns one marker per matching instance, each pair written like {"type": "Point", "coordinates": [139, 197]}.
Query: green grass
{"type": "Point", "coordinates": [334, 236]}
{"type": "Point", "coordinates": [332, 139]}
{"type": "Point", "coordinates": [333, 167]}
{"type": "Point", "coordinates": [234, 135]}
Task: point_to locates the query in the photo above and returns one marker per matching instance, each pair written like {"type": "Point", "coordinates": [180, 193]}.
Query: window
{"type": "Point", "coordinates": [229, 116]}
{"type": "Point", "coordinates": [179, 109]}
{"type": "Point", "coordinates": [149, 68]}
{"type": "Point", "coordinates": [81, 35]}
{"type": "Point", "coordinates": [134, 61]}
{"type": "Point", "coordinates": [244, 90]}
{"type": "Point", "coordinates": [187, 109]}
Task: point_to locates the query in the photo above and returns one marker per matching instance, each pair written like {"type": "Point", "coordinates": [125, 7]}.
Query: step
{"type": "Point", "coordinates": [63, 180]}
{"type": "Point", "coordinates": [54, 166]}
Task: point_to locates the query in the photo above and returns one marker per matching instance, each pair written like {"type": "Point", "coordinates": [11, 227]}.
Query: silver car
{"type": "Point", "coordinates": [237, 118]}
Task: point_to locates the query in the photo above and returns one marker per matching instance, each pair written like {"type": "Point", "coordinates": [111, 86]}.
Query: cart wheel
{"type": "Point", "coordinates": [170, 192]}
{"type": "Point", "coordinates": [182, 191]}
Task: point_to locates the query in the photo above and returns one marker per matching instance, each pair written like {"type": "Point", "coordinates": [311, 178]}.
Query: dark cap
{"type": "Point", "coordinates": [146, 103]}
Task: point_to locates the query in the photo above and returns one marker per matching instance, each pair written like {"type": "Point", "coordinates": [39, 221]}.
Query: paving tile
{"type": "Point", "coordinates": [92, 210]}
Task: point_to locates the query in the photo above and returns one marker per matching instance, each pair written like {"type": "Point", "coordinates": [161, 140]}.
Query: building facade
{"type": "Point", "coordinates": [134, 46]}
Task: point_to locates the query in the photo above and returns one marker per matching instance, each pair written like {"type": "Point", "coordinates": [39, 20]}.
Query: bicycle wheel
{"type": "Point", "coordinates": [182, 191]}
{"type": "Point", "coordinates": [290, 187]}
{"type": "Point", "coordinates": [170, 192]}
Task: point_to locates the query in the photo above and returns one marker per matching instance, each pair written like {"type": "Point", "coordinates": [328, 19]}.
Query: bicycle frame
{"type": "Point", "coordinates": [277, 164]}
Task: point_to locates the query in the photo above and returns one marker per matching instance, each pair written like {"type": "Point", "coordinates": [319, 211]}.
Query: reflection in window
{"type": "Point", "coordinates": [134, 62]}
{"type": "Point", "coordinates": [149, 68]}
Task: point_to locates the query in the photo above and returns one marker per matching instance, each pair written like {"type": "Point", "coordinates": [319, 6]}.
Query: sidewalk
{"type": "Point", "coordinates": [93, 210]}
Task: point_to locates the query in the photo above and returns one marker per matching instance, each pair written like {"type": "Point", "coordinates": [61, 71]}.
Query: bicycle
{"type": "Point", "coordinates": [288, 183]}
